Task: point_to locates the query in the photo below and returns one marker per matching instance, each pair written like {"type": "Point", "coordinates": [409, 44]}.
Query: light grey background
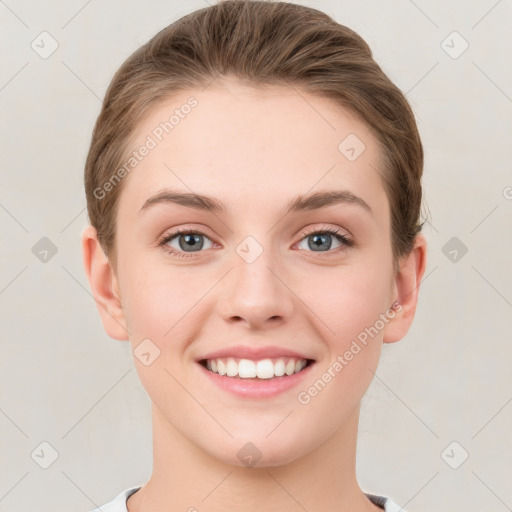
{"type": "Point", "coordinates": [64, 382]}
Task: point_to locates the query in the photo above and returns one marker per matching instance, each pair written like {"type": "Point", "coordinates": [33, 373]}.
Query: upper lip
{"type": "Point", "coordinates": [254, 353]}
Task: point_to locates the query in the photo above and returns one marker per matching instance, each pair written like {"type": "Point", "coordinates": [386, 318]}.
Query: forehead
{"type": "Point", "coordinates": [231, 140]}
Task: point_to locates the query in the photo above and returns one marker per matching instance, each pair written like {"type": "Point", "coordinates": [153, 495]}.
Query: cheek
{"type": "Point", "coordinates": [158, 300]}
{"type": "Point", "coordinates": [351, 307]}
{"type": "Point", "coordinates": [167, 304]}
{"type": "Point", "coordinates": [350, 300]}
{"type": "Point", "coordinates": [160, 306]}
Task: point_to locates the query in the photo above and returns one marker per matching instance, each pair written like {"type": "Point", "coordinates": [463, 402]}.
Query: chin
{"type": "Point", "coordinates": [259, 453]}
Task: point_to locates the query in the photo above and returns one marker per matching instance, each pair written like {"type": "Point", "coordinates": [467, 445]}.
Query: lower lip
{"type": "Point", "coordinates": [260, 388]}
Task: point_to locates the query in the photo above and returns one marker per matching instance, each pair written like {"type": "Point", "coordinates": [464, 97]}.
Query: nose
{"type": "Point", "coordinates": [256, 294]}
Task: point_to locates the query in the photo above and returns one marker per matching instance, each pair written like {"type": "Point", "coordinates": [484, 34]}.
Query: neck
{"type": "Point", "coordinates": [185, 477]}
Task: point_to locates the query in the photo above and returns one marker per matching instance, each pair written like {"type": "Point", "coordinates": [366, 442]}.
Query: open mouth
{"type": "Point", "coordinates": [256, 370]}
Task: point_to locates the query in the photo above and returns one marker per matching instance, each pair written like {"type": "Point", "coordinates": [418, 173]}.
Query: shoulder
{"type": "Point", "coordinates": [118, 504]}
{"type": "Point", "coordinates": [385, 503]}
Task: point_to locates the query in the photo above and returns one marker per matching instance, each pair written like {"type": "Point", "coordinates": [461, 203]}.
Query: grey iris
{"type": "Point", "coordinates": [319, 240]}
{"type": "Point", "coordinates": [193, 241]}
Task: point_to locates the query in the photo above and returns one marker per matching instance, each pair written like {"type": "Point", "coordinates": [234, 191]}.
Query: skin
{"type": "Point", "coordinates": [254, 150]}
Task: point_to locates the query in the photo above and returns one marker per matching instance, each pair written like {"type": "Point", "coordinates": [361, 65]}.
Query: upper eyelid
{"type": "Point", "coordinates": [183, 231]}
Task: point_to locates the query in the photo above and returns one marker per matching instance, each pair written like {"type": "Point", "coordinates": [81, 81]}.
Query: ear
{"type": "Point", "coordinates": [405, 290]}
{"type": "Point", "coordinates": [104, 285]}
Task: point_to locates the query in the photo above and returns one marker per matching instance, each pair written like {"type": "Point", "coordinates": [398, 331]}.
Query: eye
{"type": "Point", "coordinates": [181, 242]}
{"type": "Point", "coordinates": [322, 239]}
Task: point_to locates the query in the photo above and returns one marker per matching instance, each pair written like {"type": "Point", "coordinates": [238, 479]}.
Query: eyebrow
{"type": "Point", "coordinates": [314, 201]}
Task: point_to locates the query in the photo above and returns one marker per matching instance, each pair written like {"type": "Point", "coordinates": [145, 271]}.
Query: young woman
{"type": "Point", "coordinates": [254, 189]}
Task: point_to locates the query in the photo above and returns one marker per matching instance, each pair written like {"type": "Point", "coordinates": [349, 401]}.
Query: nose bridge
{"type": "Point", "coordinates": [255, 291]}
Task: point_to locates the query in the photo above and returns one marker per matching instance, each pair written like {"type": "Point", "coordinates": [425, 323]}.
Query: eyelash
{"type": "Point", "coordinates": [343, 239]}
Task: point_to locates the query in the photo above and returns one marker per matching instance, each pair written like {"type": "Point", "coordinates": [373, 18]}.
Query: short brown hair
{"type": "Point", "coordinates": [259, 43]}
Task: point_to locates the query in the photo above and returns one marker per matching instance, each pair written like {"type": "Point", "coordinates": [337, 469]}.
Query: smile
{"type": "Point", "coordinates": [255, 379]}
{"type": "Point", "coordinates": [261, 369]}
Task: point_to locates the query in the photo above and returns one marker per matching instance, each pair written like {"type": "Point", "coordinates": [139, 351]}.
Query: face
{"type": "Point", "coordinates": [255, 266]}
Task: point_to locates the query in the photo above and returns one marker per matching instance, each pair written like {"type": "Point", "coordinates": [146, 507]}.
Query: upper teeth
{"type": "Point", "coordinates": [263, 369]}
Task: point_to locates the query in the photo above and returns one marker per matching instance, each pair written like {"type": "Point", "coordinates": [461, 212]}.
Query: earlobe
{"type": "Point", "coordinates": [406, 287]}
{"type": "Point", "coordinates": [104, 286]}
